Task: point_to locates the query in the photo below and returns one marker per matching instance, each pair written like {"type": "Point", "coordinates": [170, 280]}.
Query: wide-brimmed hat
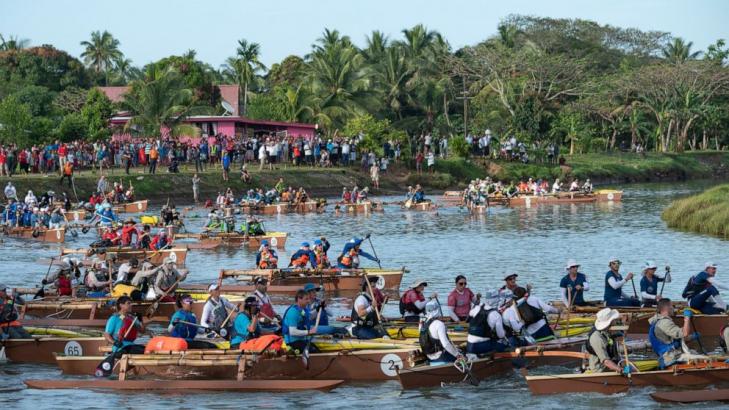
{"type": "Point", "coordinates": [605, 317]}
{"type": "Point", "coordinates": [510, 276]}
{"type": "Point", "coordinates": [571, 263]}
{"type": "Point", "coordinates": [649, 265]}
{"type": "Point", "coordinates": [213, 287]}
{"type": "Point", "coordinates": [417, 283]}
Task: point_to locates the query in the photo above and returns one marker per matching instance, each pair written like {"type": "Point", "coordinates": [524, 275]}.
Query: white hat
{"type": "Point", "coordinates": [605, 317]}
{"type": "Point", "coordinates": [649, 265]}
{"type": "Point", "coordinates": [571, 263]}
{"type": "Point", "coordinates": [708, 265]}
{"type": "Point", "coordinates": [213, 287]}
{"type": "Point", "coordinates": [614, 259]}
{"type": "Point", "coordinates": [167, 260]}
{"type": "Point", "coordinates": [417, 283]}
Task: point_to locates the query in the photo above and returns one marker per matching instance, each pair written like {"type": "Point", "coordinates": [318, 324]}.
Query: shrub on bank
{"type": "Point", "coordinates": [706, 213]}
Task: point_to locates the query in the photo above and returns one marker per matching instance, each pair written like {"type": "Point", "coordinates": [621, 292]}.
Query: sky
{"type": "Point", "coordinates": [152, 29]}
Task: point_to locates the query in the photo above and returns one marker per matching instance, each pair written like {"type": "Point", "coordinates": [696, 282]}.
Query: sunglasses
{"type": "Point", "coordinates": [461, 283]}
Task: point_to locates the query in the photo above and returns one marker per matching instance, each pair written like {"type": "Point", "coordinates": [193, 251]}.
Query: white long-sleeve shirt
{"type": "Point", "coordinates": [512, 318]}
{"type": "Point", "coordinates": [437, 330]}
{"type": "Point", "coordinates": [495, 322]}
{"type": "Point", "coordinates": [207, 318]}
{"type": "Point", "coordinates": [617, 284]}
{"type": "Point", "coordinates": [717, 284]}
{"type": "Point", "coordinates": [646, 295]}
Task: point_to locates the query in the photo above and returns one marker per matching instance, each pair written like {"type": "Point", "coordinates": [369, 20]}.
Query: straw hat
{"type": "Point", "coordinates": [417, 283]}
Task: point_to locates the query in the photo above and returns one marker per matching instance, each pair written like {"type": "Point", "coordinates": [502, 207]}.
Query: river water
{"type": "Point", "coordinates": [435, 246]}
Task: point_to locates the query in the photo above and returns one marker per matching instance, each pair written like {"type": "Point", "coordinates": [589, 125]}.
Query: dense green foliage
{"type": "Point", "coordinates": [584, 86]}
{"type": "Point", "coordinates": [706, 213]}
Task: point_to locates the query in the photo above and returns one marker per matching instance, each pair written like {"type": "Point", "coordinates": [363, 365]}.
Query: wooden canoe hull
{"type": "Point", "coordinates": [692, 396]}
{"type": "Point", "coordinates": [706, 325]}
{"type": "Point", "coordinates": [76, 215]}
{"type": "Point", "coordinates": [612, 383]}
{"type": "Point", "coordinates": [155, 257]}
{"type": "Point", "coordinates": [186, 385]}
{"type": "Point", "coordinates": [131, 207]}
{"type": "Point", "coordinates": [361, 208]}
{"type": "Point", "coordinates": [276, 239]}
{"type": "Point", "coordinates": [284, 208]}
{"type": "Point", "coordinates": [452, 197]}
{"type": "Point", "coordinates": [345, 282]}
{"type": "Point", "coordinates": [433, 376]}
{"type": "Point", "coordinates": [43, 235]}
{"type": "Point", "coordinates": [566, 198]}
{"type": "Point", "coordinates": [43, 350]}
{"type": "Point", "coordinates": [98, 309]}
{"type": "Point", "coordinates": [422, 206]}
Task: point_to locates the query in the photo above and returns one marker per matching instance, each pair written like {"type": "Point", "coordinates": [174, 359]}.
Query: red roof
{"type": "Point", "coordinates": [115, 94]}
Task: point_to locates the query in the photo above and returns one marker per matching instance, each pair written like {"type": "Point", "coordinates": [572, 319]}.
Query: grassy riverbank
{"type": "Point", "coordinates": [706, 213]}
{"type": "Point", "coordinates": [450, 174]}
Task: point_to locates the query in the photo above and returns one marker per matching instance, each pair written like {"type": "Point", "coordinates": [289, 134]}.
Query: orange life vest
{"type": "Point", "coordinates": [301, 261]}
{"type": "Point", "coordinates": [348, 257]}
{"type": "Point", "coordinates": [272, 343]}
{"type": "Point", "coordinates": [68, 169]}
{"type": "Point", "coordinates": [321, 258]}
{"type": "Point", "coordinates": [267, 260]}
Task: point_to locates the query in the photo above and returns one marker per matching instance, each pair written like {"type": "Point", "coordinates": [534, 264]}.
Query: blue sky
{"type": "Point", "coordinates": [152, 29]}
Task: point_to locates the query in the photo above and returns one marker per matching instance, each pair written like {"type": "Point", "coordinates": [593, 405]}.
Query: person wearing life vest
{"type": "Point", "coordinates": [603, 346]}
{"type": "Point", "coordinates": [349, 258]}
{"type": "Point", "coordinates": [702, 291]}
{"type": "Point", "coordinates": [161, 240]}
{"type": "Point", "coordinates": [268, 315]}
{"type": "Point", "coordinates": [109, 238]}
{"type": "Point", "coordinates": [303, 256]}
{"type": "Point", "coordinates": [266, 258]}
{"type": "Point", "coordinates": [527, 317]}
{"type": "Point", "coordinates": [253, 227]}
{"type": "Point", "coordinates": [65, 278]}
{"type": "Point", "coordinates": [665, 336]}
{"type": "Point", "coordinates": [364, 318]}
{"type": "Point", "coordinates": [67, 173]}
{"type": "Point", "coordinates": [145, 239]}
{"type": "Point", "coordinates": [649, 284]}
{"type": "Point", "coordinates": [246, 325]}
{"type": "Point", "coordinates": [128, 232]}
{"type": "Point", "coordinates": [485, 330]}
{"type": "Point", "coordinates": [183, 324]}
{"type": "Point", "coordinates": [434, 340]}
{"type": "Point", "coordinates": [573, 285]}
{"type": "Point", "coordinates": [121, 330]}
{"type": "Point", "coordinates": [314, 305]}
{"type": "Point", "coordinates": [296, 327]}
{"type": "Point", "coordinates": [461, 299]}
{"type": "Point", "coordinates": [106, 215]}
{"type": "Point", "coordinates": [412, 303]}
{"type": "Point", "coordinates": [96, 280]}
{"type": "Point", "coordinates": [346, 196]}
{"type": "Point", "coordinates": [614, 295]}
{"type": "Point", "coordinates": [321, 247]}
{"type": "Point", "coordinates": [216, 310]}
{"type": "Point", "coordinates": [10, 327]}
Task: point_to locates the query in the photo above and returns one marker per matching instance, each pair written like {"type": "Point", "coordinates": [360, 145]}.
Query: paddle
{"type": "Point", "coordinates": [627, 369]}
{"type": "Point", "coordinates": [105, 367]}
{"type": "Point", "coordinates": [42, 291]}
{"type": "Point", "coordinates": [305, 354]}
{"type": "Point", "coordinates": [665, 277]}
{"type": "Point", "coordinates": [380, 328]}
{"type": "Point", "coordinates": [153, 308]}
{"type": "Point", "coordinates": [373, 251]}
{"type": "Point", "coordinates": [698, 339]}
{"type": "Point", "coordinates": [635, 292]}
{"type": "Point", "coordinates": [223, 331]}
{"type": "Point", "coordinates": [199, 326]}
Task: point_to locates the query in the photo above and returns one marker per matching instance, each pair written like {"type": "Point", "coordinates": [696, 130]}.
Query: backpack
{"type": "Point", "coordinates": [688, 290]}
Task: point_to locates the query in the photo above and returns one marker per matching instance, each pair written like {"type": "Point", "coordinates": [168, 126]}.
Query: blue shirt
{"type": "Point", "coordinates": [702, 278]}
{"type": "Point", "coordinates": [113, 326]}
{"type": "Point", "coordinates": [567, 282]}
{"type": "Point", "coordinates": [610, 293]}
{"type": "Point", "coordinates": [240, 327]}
{"type": "Point", "coordinates": [650, 286]}
{"type": "Point", "coordinates": [182, 330]}
{"type": "Point", "coordinates": [294, 317]}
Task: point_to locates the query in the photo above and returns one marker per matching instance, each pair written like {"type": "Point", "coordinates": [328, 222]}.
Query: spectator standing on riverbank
{"type": "Point", "coordinates": [431, 161]}
{"type": "Point", "coordinates": [196, 188]}
{"type": "Point", "coordinates": [419, 162]}
{"type": "Point", "coordinates": [375, 175]}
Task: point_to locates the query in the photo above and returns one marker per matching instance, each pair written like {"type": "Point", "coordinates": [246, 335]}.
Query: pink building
{"type": "Point", "coordinates": [232, 125]}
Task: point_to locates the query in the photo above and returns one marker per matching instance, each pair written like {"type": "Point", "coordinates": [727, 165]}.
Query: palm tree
{"type": "Point", "coordinates": [13, 43]}
{"type": "Point", "coordinates": [679, 51]}
{"type": "Point", "coordinates": [161, 102]}
{"type": "Point", "coordinates": [101, 52]}
{"type": "Point", "coordinates": [124, 71]}
{"type": "Point", "coordinates": [244, 66]}
{"type": "Point", "coordinates": [393, 76]}
{"type": "Point", "coordinates": [376, 45]}
{"type": "Point", "coordinates": [295, 104]}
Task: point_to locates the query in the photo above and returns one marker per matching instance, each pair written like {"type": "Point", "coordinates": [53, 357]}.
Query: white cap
{"type": "Point", "coordinates": [709, 265]}
{"type": "Point", "coordinates": [649, 265]}
{"type": "Point", "coordinates": [571, 263]}
{"type": "Point", "coordinates": [213, 287]}
{"type": "Point", "coordinates": [614, 259]}
{"type": "Point", "coordinates": [605, 317]}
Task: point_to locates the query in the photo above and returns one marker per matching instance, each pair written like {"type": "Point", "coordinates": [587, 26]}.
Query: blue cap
{"type": "Point", "coordinates": [317, 242]}
{"type": "Point", "coordinates": [264, 242]}
{"type": "Point", "coordinates": [310, 286]}
{"type": "Point", "coordinates": [305, 244]}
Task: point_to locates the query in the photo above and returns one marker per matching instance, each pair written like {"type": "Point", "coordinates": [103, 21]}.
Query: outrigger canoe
{"type": "Point", "coordinates": [361, 207]}
{"type": "Point", "coordinates": [125, 253]}
{"type": "Point", "coordinates": [436, 375]}
{"type": "Point", "coordinates": [44, 349]}
{"type": "Point", "coordinates": [692, 396]}
{"type": "Point", "coordinates": [131, 207]}
{"type": "Point", "coordinates": [565, 198]}
{"type": "Point", "coordinates": [284, 207]}
{"type": "Point", "coordinates": [38, 234]}
{"type": "Point", "coordinates": [419, 206]}
{"type": "Point", "coordinates": [696, 374]}
{"type": "Point", "coordinates": [277, 239]}
{"type": "Point", "coordinates": [332, 279]}
{"type": "Point", "coordinates": [186, 386]}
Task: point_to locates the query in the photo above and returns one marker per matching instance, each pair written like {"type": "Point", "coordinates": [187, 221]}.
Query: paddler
{"type": "Point", "coordinates": [97, 279]}
{"type": "Point", "coordinates": [321, 246]}
{"type": "Point", "coordinates": [268, 315]}
{"type": "Point", "coordinates": [346, 196]}
{"type": "Point", "coordinates": [434, 340]}
{"type": "Point", "coordinates": [603, 346]}
{"type": "Point", "coordinates": [412, 303]}
{"type": "Point", "coordinates": [246, 325]}
{"type": "Point", "coordinates": [266, 258]}
{"type": "Point", "coordinates": [461, 299]}
{"type": "Point", "coordinates": [665, 336]}
{"type": "Point", "coordinates": [303, 256]}
{"type": "Point", "coordinates": [296, 328]}
{"type": "Point", "coordinates": [167, 279]}
{"type": "Point", "coordinates": [419, 195]}
{"type": "Point", "coordinates": [349, 258]}
{"type": "Point", "coordinates": [506, 292]}
{"type": "Point", "coordinates": [216, 310]}
{"type": "Point", "coordinates": [110, 237]}
{"type": "Point", "coordinates": [702, 292]}
{"type": "Point", "coordinates": [161, 240]}
{"type": "Point", "coordinates": [121, 331]}
{"type": "Point", "coordinates": [145, 239]}
{"type": "Point", "coordinates": [127, 270]}
{"type": "Point", "coordinates": [10, 327]}
{"type": "Point", "coordinates": [485, 330]}
{"type": "Point", "coordinates": [253, 227]}
{"type": "Point", "coordinates": [649, 284]}
{"type": "Point", "coordinates": [65, 278]}
{"type": "Point", "coordinates": [527, 317]}
{"type": "Point", "coordinates": [364, 318]}
{"type": "Point", "coordinates": [106, 214]}
{"type": "Point", "coordinates": [128, 232]}
{"type": "Point", "coordinates": [614, 295]}
{"type": "Point", "coordinates": [183, 324]}
{"type": "Point", "coordinates": [574, 285]}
